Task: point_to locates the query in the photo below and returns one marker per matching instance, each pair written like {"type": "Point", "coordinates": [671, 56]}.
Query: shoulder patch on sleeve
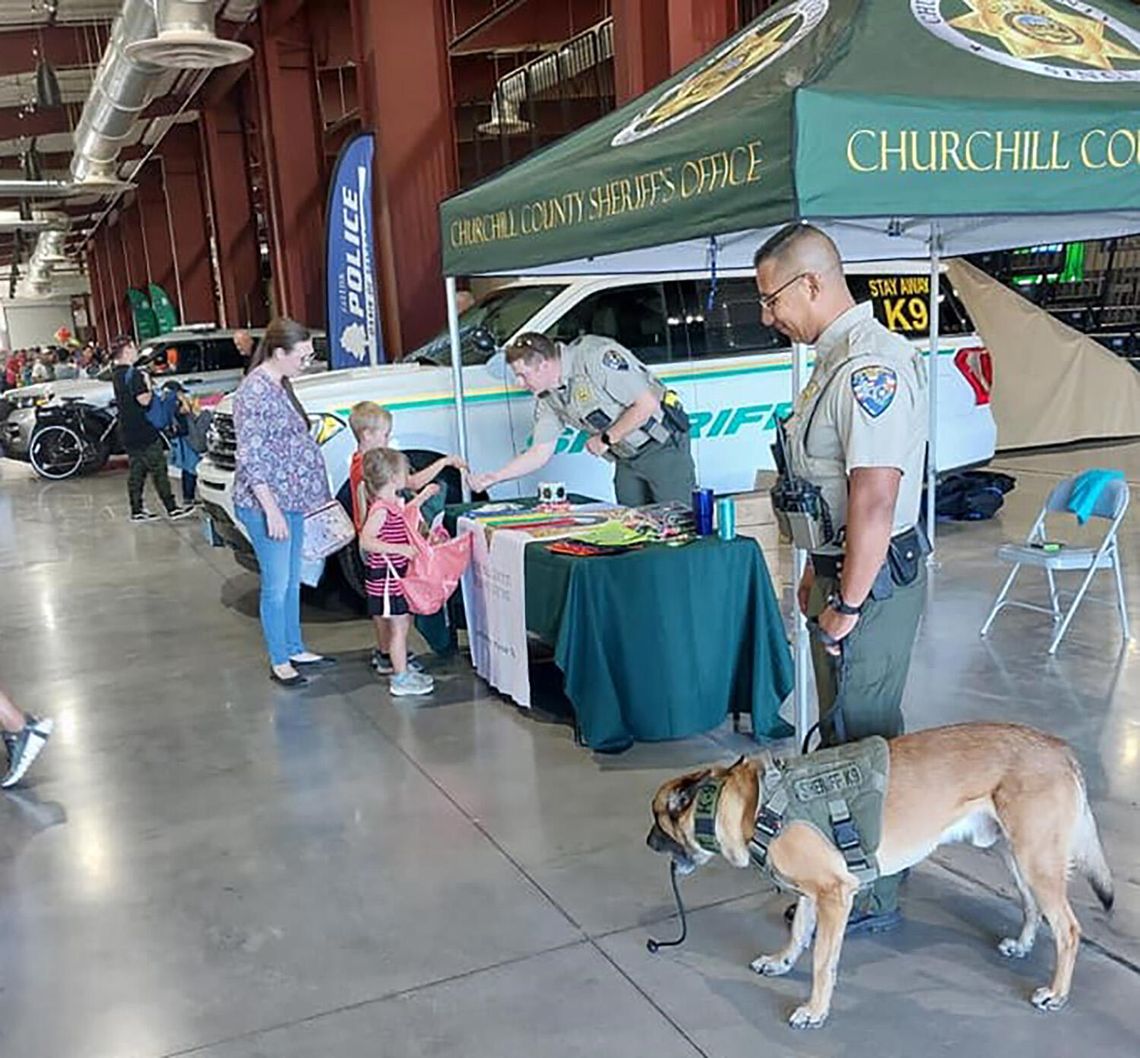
{"type": "Point", "coordinates": [612, 359]}
{"type": "Point", "coordinates": [874, 388]}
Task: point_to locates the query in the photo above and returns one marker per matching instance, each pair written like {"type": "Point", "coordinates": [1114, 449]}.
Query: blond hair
{"type": "Point", "coordinates": [368, 415]}
{"type": "Point", "coordinates": [381, 467]}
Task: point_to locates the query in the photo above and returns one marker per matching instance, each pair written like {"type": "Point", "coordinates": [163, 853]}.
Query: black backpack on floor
{"type": "Point", "coordinates": [971, 495]}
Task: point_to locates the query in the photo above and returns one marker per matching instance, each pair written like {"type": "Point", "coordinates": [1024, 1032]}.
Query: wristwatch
{"type": "Point", "coordinates": [605, 435]}
{"type": "Point", "coordinates": [839, 606]}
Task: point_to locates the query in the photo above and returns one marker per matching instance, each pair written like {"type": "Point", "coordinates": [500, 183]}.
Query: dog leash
{"type": "Point", "coordinates": [655, 945]}
{"type": "Point", "coordinates": [839, 665]}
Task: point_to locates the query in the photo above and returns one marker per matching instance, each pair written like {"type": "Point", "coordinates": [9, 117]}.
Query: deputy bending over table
{"type": "Point", "coordinates": [599, 386]}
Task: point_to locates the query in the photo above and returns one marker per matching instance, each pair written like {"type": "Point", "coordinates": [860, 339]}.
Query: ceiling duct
{"type": "Point", "coordinates": [119, 92]}
{"type": "Point", "coordinates": [141, 48]}
{"type": "Point", "coordinates": [186, 39]}
{"type": "Point", "coordinates": [48, 252]}
{"type": "Point", "coordinates": [39, 189]}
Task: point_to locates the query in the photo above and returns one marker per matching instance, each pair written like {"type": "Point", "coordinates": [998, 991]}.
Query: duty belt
{"type": "Point", "coordinates": [905, 549]}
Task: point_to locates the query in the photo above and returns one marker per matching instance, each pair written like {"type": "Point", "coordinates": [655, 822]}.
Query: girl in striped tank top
{"type": "Point", "coordinates": [387, 549]}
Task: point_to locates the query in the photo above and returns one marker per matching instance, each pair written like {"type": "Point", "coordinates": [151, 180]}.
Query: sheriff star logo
{"type": "Point", "coordinates": [738, 62]}
{"type": "Point", "coordinates": [1033, 29]}
{"type": "Point", "coordinates": [1066, 39]}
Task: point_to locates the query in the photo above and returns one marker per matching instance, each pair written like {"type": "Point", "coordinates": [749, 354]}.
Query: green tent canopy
{"type": "Point", "coordinates": [904, 128]}
{"type": "Point", "coordinates": [1007, 121]}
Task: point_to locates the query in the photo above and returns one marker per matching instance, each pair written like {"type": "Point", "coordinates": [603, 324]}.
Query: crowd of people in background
{"type": "Point", "coordinates": [26, 367]}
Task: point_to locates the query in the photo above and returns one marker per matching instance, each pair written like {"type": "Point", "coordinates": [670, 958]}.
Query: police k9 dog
{"type": "Point", "coordinates": [984, 783]}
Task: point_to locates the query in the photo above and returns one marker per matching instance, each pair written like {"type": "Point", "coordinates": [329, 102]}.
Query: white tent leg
{"type": "Point", "coordinates": [932, 450]}
{"type": "Point", "coordinates": [801, 644]}
{"type": "Point", "coordinates": [457, 375]}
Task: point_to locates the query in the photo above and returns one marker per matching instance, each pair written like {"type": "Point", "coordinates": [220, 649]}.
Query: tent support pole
{"type": "Point", "coordinates": [801, 645]}
{"type": "Point", "coordinates": [932, 449]}
{"type": "Point", "coordinates": [457, 376]}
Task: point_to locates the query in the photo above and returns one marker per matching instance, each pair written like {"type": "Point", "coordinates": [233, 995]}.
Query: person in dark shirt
{"type": "Point", "coordinates": [245, 345]}
{"type": "Point", "coordinates": [142, 442]}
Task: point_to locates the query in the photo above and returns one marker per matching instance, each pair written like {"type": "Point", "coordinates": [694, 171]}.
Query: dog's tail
{"type": "Point", "coordinates": [1085, 847]}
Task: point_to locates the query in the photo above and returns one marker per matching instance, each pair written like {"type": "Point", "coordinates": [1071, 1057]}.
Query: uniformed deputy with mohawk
{"type": "Point", "coordinates": [850, 492]}
{"type": "Point", "coordinates": [596, 385]}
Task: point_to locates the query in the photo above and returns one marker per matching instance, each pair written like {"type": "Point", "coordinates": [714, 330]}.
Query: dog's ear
{"type": "Point", "coordinates": [681, 796]}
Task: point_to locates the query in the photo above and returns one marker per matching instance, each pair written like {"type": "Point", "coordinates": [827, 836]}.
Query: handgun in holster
{"type": "Point", "coordinates": [673, 411]}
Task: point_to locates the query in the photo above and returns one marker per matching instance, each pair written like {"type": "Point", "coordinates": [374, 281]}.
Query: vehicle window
{"type": "Point", "coordinates": [175, 358]}
{"type": "Point", "coordinates": [902, 304]}
{"type": "Point", "coordinates": [486, 326]}
{"type": "Point", "coordinates": [220, 354]}
{"type": "Point", "coordinates": [731, 324]}
{"type": "Point", "coordinates": [635, 316]}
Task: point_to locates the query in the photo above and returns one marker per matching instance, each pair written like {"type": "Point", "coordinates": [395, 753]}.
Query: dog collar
{"type": "Point", "coordinates": [707, 803]}
{"type": "Point", "coordinates": [704, 814]}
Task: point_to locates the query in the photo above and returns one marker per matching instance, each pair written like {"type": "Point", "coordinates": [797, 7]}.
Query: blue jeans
{"type": "Point", "coordinates": [280, 562]}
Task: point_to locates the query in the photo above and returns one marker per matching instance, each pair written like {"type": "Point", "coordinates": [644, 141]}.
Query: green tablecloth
{"type": "Point", "coordinates": [664, 642]}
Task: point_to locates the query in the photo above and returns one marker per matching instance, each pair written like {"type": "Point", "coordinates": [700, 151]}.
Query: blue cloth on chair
{"type": "Point", "coordinates": [1087, 489]}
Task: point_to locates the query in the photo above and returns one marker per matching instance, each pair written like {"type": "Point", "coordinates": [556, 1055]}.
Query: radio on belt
{"type": "Point", "coordinates": [801, 511]}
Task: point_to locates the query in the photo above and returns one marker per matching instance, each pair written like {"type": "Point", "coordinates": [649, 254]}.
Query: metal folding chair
{"type": "Point", "coordinates": [1110, 506]}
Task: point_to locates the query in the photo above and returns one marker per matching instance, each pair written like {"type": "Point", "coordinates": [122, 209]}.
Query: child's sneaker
{"type": "Point", "coordinates": [382, 663]}
{"type": "Point", "coordinates": [410, 683]}
{"type": "Point", "coordinates": [24, 746]}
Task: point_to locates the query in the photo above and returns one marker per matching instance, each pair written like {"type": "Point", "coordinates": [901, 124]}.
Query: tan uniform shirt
{"type": "Point", "coordinates": [864, 406]}
{"type": "Point", "coordinates": [600, 379]}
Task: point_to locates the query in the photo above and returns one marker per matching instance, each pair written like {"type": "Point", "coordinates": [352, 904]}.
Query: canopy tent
{"type": "Point", "coordinates": [1007, 120]}
{"type": "Point", "coordinates": [1052, 384]}
{"type": "Point", "coordinates": [903, 129]}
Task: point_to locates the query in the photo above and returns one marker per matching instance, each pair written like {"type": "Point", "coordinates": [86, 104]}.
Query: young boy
{"type": "Point", "coordinates": [386, 542]}
{"type": "Point", "coordinates": [372, 427]}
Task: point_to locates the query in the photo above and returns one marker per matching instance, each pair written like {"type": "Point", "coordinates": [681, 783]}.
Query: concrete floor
{"type": "Point", "coordinates": [205, 864]}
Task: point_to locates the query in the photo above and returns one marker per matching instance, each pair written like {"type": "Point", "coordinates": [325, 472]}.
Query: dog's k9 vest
{"type": "Point", "coordinates": [838, 791]}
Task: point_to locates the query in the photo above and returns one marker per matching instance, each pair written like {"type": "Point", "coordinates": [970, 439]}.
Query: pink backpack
{"type": "Point", "coordinates": [433, 575]}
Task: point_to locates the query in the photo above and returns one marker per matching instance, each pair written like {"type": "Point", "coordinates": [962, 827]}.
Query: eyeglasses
{"type": "Point", "coordinates": [768, 301]}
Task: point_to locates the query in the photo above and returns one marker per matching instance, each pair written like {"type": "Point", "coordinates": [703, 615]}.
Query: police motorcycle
{"type": "Point", "coordinates": [73, 437]}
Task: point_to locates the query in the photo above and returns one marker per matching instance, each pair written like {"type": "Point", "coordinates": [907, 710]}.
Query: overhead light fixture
{"type": "Point", "coordinates": [48, 95]}
{"type": "Point", "coordinates": [32, 163]}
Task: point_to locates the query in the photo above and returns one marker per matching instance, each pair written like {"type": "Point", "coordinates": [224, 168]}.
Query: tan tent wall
{"type": "Point", "coordinates": [1052, 384]}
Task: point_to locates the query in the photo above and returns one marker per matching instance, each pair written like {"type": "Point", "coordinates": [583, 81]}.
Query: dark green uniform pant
{"type": "Point", "coordinates": [873, 671]}
{"type": "Point", "coordinates": [149, 460]}
{"type": "Point", "coordinates": [657, 474]}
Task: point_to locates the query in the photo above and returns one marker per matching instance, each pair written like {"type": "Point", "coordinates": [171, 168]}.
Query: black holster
{"type": "Point", "coordinates": [905, 554]}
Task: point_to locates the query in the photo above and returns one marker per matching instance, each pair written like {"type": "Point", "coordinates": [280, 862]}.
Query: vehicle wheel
{"type": "Point", "coordinates": [56, 452]}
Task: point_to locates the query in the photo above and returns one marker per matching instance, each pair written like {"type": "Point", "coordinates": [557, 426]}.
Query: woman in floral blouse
{"type": "Point", "coordinates": [280, 477]}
